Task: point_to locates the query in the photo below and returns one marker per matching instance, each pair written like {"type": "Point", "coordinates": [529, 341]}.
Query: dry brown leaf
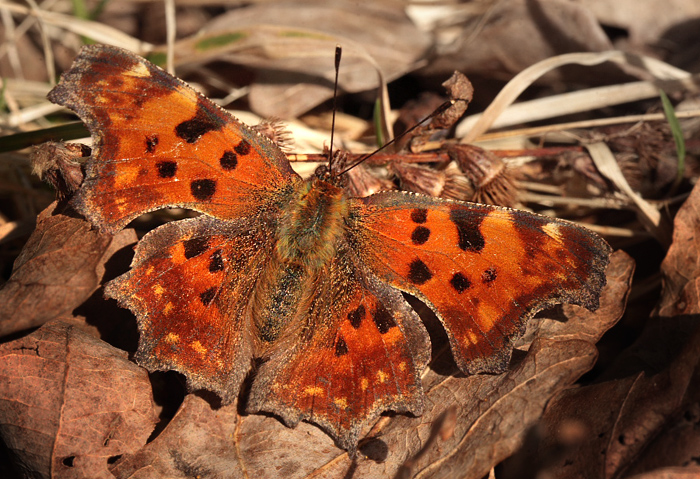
{"type": "Point", "coordinates": [60, 266]}
{"type": "Point", "coordinates": [198, 442]}
{"type": "Point", "coordinates": [71, 404]}
{"type": "Point", "coordinates": [690, 472]}
{"type": "Point", "coordinates": [623, 417]}
{"type": "Point", "coordinates": [681, 267]}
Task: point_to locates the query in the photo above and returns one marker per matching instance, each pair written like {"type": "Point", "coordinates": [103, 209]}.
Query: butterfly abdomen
{"type": "Point", "coordinates": [310, 229]}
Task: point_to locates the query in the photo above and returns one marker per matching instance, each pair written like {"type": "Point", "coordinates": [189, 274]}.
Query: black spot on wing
{"type": "Point", "coordinates": [418, 272]}
{"type": "Point", "coordinates": [203, 190]}
{"type": "Point", "coordinates": [208, 296]}
{"type": "Point", "coordinates": [195, 247]}
{"type": "Point", "coordinates": [489, 275]}
{"type": "Point", "coordinates": [420, 235]}
{"type": "Point", "coordinates": [341, 347]}
{"type": "Point", "coordinates": [356, 316]}
{"type": "Point", "coordinates": [166, 169]}
{"type": "Point", "coordinates": [203, 122]}
{"type": "Point", "coordinates": [460, 282]}
{"type": "Point", "coordinates": [151, 143]}
{"type": "Point", "coordinates": [228, 161]}
{"type": "Point", "coordinates": [382, 319]}
{"type": "Point", "coordinates": [419, 215]}
{"type": "Point", "coordinates": [216, 262]}
{"type": "Point", "coordinates": [243, 148]}
{"type": "Point", "coordinates": [469, 229]}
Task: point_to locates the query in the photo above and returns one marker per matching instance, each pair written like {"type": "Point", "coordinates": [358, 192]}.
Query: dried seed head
{"type": "Point", "coordinates": [55, 163]}
{"type": "Point", "coordinates": [277, 131]}
{"type": "Point", "coordinates": [457, 185]}
{"type": "Point", "coordinates": [493, 183]}
{"type": "Point", "coordinates": [362, 181]}
{"type": "Point", "coordinates": [419, 179]}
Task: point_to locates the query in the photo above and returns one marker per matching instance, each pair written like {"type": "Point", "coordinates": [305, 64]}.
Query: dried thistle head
{"type": "Point", "coordinates": [55, 163]}
{"type": "Point", "coordinates": [419, 179]}
{"type": "Point", "coordinates": [277, 131]}
{"type": "Point", "coordinates": [363, 182]}
{"type": "Point", "coordinates": [491, 179]}
{"type": "Point", "coordinates": [646, 155]}
{"type": "Point", "coordinates": [457, 185]}
{"type": "Point", "coordinates": [360, 181]}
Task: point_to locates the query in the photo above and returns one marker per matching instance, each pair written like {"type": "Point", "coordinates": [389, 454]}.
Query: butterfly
{"type": "Point", "coordinates": [294, 273]}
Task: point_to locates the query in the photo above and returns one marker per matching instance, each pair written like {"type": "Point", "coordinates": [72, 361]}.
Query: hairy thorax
{"type": "Point", "coordinates": [308, 234]}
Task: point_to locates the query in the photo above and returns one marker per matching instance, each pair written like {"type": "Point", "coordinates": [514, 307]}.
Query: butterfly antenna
{"type": "Point", "coordinates": [338, 54]}
{"type": "Point", "coordinates": [435, 113]}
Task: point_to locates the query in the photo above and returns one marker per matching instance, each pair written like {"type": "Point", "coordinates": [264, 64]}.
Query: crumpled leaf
{"type": "Point", "coordinates": [60, 266]}
{"type": "Point", "coordinates": [625, 417]}
{"type": "Point", "coordinates": [690, 472]}
{"type": "Point", "coordinates": [470, 423]}
{"type": "Point", "coordinates": [205, 442]}
{"type": "Point", "coordinates": [681, 267]}
{"type": "Point", "coordinates": [71, 404]}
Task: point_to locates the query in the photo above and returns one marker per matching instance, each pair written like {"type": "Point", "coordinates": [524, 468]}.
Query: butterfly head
{"type": "Point", "coordinates": [327, 174]}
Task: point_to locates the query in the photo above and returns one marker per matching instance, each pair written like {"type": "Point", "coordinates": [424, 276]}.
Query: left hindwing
{"type": "Point", "coordinates": [484, 270]}
{"type": "Point", "coordinates": [190, 286]}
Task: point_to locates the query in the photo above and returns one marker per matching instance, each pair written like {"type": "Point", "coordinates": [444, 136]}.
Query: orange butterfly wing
{"type": "Point", "coordinates": [162, 144]}
{"type": "Point", "coordinates": [189, 286]}
{"type": "Point", "coordinates": [360, 351]}
{"type": "Point", "coordinates": [484, 270]}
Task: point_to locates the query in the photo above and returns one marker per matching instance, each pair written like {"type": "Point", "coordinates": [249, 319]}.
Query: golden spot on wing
{"type": "Point", "coordinates": [101, 99]}
{"type": "Point", "coordinates": [473, 338]}
{"type": "Point", "coordinates": [402, 366]}
{"type": "Point", "coordinates": [158, 289]}
{"type": "Point", "coordinates": [382, 376]}
{"type": "Point", "coordinates": [552, 230]}
{"type": "Point", "coordinates": [149, 271]}
{"type": "Point", "coordinates": [172, 338]}
{"type": "Point", "coordinates": [138, 70]}
{"type": "Point", "coordinates": [341, 402]}
{"type": "Point", "coordinates": [313, 391]}
{"type": "Point", "coordinates": [364, 384]}
{"type": "Point", "coordinates": [197, 346]}
{"type": "Point", "coordinates": [168, 308]}
{"type": "Point", "coordinates": [126, 176]}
